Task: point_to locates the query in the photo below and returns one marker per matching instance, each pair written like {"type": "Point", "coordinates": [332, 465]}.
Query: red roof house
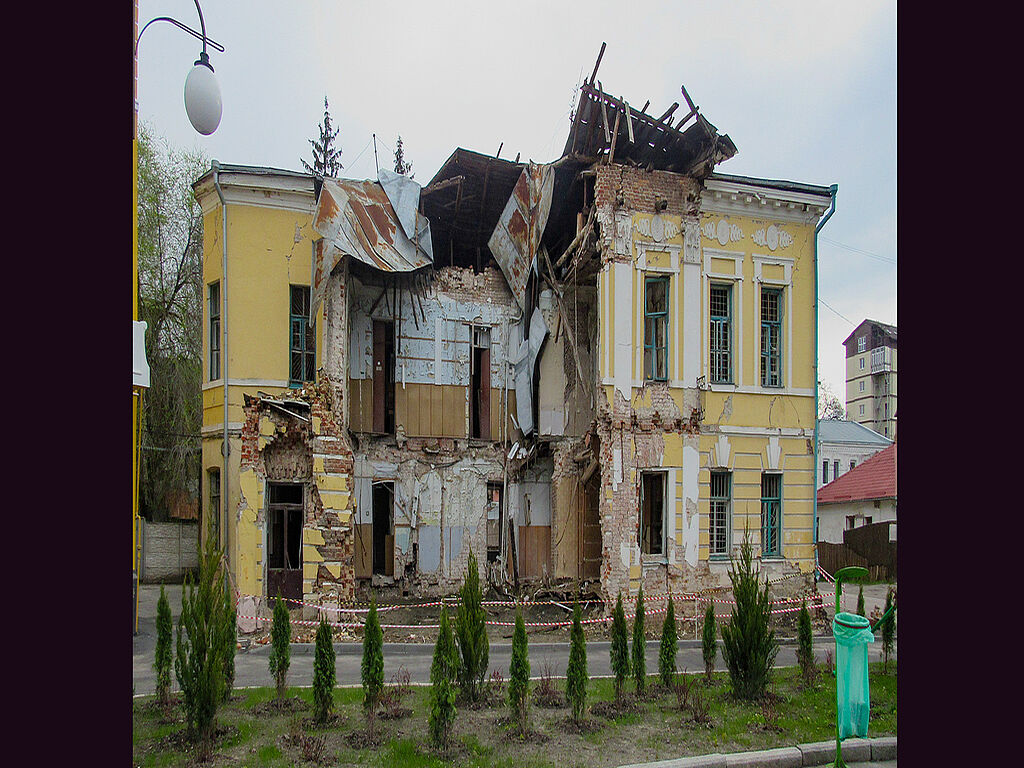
{"type": "Point", "coordinates": [866, 494]}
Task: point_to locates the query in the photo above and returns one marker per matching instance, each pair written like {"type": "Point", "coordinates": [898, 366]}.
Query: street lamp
{"type": "Point", "coordinates": [203, 106]}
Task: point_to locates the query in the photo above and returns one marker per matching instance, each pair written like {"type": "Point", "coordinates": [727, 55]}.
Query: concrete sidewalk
{"type": "Point", "coordinates": [857, 753]}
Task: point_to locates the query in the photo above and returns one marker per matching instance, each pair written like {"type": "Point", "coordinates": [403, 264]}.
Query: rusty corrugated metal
{"type": "Point", "coordinates": [516, 236]}
{"type": "Point", "coordinates": [356, 218]}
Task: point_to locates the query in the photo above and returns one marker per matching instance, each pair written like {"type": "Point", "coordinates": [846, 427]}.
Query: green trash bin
{"type": "Point", "coordinates": [852, 633]}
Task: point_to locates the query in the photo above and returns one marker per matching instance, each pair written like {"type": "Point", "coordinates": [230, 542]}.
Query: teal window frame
{"type": "Point", "coordinates": [771, 514]}
{"type": "Point", "coordinates": [720, 336]}
{"type": "Point", "coordinates": [720, 515]}
{"type": "Point", "coordinates": [301, 338]}
{"type": "Point", "coordinates": [655, 351]}
{"type": "Point", "coordinates": [214, 313]}
{"type": "Point", "coordinates": [771, 337]}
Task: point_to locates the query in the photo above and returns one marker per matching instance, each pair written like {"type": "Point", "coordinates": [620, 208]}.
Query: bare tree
{"type": "Point", "coordinates": [326, 157]}
{"type": "Point", "coordinates": [829, 404]}
{"type": "Point", "coordinates": [170, 241]}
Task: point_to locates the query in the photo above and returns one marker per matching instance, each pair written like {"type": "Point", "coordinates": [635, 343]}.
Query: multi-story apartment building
{"type": "Point", "coordinates": [871, 377]}
{"type": "Point", "coordinates": [597, 369]}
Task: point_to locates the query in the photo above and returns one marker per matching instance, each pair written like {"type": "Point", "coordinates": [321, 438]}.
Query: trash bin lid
{"type": "Point", "coordinates": [851, 629]}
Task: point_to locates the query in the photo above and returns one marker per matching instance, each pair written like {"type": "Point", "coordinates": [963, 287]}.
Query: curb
{"type": "Point", "coordinates": [819, 753]}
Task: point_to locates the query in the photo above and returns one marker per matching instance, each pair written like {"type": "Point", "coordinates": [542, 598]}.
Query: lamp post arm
{"type": "Point", "coordinates": [198, 35]}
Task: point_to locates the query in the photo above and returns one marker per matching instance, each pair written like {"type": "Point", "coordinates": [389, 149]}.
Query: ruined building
{"type": "Point", "coordinates": [600, 369]}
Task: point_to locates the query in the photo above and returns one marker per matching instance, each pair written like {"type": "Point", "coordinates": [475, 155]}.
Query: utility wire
{"type": "Point", "coordinates": [833, 309]}
{"type": "Point", "coordinates": [886, 259]}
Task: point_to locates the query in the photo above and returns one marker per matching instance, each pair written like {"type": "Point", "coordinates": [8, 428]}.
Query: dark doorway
{"type": "Point", "coordinates": [480, 384]}
{"type": "Point", "coordinates": [284, 540]}
{"type": "Point", "coordinates": [651, 532]}
{"type": "Point", "coordinates": [590, 554]}
{"type": "Point", "coordinates": [383, 377]}
{"type": "Point", "coordinates": [383, 528]}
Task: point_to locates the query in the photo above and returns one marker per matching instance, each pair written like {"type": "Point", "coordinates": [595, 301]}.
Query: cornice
{"type": "Point", "coordinates": [722, 196]}
{"type": "Point", "coordinates": [263, 190]}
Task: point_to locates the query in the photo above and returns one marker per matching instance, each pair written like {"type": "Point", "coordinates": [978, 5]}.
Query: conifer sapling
{"type": "Point", "coordinates": [162, 662]}
{"type": "Point", "coordinates": [805, 647]}
{"type": "Point", "coordinates": [639, 665]}
{"type": "Point", "coordinates": [519, 672]}
{"type": "Point", "coordinates": [324, 672]}
{"type": "Point", "coordinates": [373, 665]}
{"type": "Point", "coordinates": [471, 633]}
{"type": "Point", "coordinates": [443, 671]}
{"type": "Point", "coordinates": [619, 651]}
{"type": "Point", "coordinates": [576, 672]}
{"type": "Point", "coordinates": [709, 642]}
{"type": "Point", "coordinates": [669, 646]}
{"type": "Point", "coordinates": [280, 647]}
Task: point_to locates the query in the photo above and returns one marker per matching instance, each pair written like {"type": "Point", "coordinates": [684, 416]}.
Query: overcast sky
{"type": "Point", "coordinates": [806, 90]}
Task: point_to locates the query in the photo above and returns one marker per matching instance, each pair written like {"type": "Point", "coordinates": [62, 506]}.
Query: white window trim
{"type": "Point", "coordinates": [641, 270]}
{"type": "Point", "coordinates": [786, 285]}
{"type": "Point", "coordinates": [736, 280]}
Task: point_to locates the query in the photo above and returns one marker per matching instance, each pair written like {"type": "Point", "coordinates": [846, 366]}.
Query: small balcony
{"type": "Point", "coordinates": [881, 360]}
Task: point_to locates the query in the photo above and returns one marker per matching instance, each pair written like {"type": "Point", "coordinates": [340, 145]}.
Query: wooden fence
{"type": "Point", "coordinates": [867, 546]}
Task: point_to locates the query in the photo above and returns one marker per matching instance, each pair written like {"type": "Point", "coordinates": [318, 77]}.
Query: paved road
{"type": "Point", "coordinates": [251, 667]}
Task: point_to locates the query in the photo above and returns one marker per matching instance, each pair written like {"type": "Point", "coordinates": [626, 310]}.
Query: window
{"type": "Point", "coordinates": [852, 464]}
{"type": "Point", "coordinates": [868, 519]}
{"type": "Point", "coordinates": [302, 346]}
{"type": "Point", "coordinates": [862, 386]}
{"type": "Point", "coordinates": [383, 377]}
{"type": "Point", "coordinates": [719, 513]}
{"type": "Point", "coordinates": [850, 522]}
{"type": "Point", "coordinates": [214, 331]}
{"type": "Point", "coordinates": [656, 328]}
{"type": "Point", "coordinates": [824, 472]}
{"type": "Point", "coordinates": [480, 383]}
{"type": "Point", "coordinates": [835, 469]}
{"type": "Point", "coordinates": [771, 515]}
{"type": "Point", "coordinates": [862, 363]}
{"type": "Point", "coordinates": [771, 337]}
{"type": "Point", "coordinates": [862, 343]}
{"type": "Point", "coordinates": [862, 410]}
{"type": "Point", "coordinates": [651, 533]}
{"type": "Point", "coordinates": [887, 409]}
{"type": "Point", "coordinates": [885, 430]}
{"type": "Point", "coordinates": [720, 335]}
{"type": "Point", "coordinates": [494, 520]}
{"type": "Point", "coordinates": [214, 508]}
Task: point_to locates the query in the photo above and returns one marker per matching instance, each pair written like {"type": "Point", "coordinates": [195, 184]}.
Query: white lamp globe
{"type": "Point", "coordinates": [202, 97]}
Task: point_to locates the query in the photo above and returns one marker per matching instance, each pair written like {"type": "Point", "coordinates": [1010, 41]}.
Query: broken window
{"type": "Point", "coordinates": [302, 339]}
{"type": "Point", "coordinates": [656, 328]}
{"type": "Point", "coordinates": [771, 515]}
{"type": "Point", "coordinates": [383, 377]}
{"type": "Point", "coordinates": [720, 513]}
{"type": "Point", "coordinates": [214, 331]}
{"type": "Point", "coordinates": [284, 540]}
{"type": "Point", "coordinates": [652, 512]}
{"type": "Point", "coordinates": [480, 383]}
{"type": "Point", "coordinates": [494, 520]}
{"type": "Point", "coordinates": [213, 476]}
{"type": "Point", "coordinates": [771, 337]}
{"type": "Point", "coordinates": [721, 334]}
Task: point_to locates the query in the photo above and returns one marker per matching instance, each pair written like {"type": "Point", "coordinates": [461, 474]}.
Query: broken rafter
{"type": "Point", "coordinates": [604, 115]}
{"type": "Point", "coordinates": [557, 290]}
{"type": "Point", "coordinates": [597, 63]}
{"type": "Point", "coordinates": [615, 136]}
{"type": "Point", "coordinates": [580, 236]}
{"type": "Point", "coordinates": [443, 185]}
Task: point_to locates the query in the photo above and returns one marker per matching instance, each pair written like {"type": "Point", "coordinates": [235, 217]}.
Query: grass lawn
{"type": "Point", "coordinates": [253, 733]}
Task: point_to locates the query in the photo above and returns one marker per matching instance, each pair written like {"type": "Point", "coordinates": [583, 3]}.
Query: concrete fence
{"type": "Point", "coordinates": [169, 550]}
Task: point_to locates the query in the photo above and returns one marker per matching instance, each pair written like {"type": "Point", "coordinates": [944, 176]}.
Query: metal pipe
{"type": "Point", "coordinates": [833, 190]}
{"type": "Point", "coordinates": [226, 450]}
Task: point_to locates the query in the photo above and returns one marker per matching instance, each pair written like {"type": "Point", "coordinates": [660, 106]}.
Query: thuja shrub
{"type": "Point", "coordinates": [860, 601]}
{"type": "Point", "coordinates": [709, 642]}
{"type": "Point", "coordinates": [471, 633]}
{"type": "Point", "coordinates": [576, 672]}
{"type": "Point", "coordinates": [639, 664]}
{"type": "Point", "coordinates": [443, 671]}
{"type": "Point", "coordinates": [164, 652]}
{"type": "Point", "coordinates": [202, 639]}
{"type": "Point", "coordinates": [805, 647]}
{"type": "Point", "coordinates": [669, 646]}
{"type": "Point", "coordinates": [519, 672]}
{"type": "Point", "coordinates": [280, 647]}
{"type": "Point", "coordinates": [888, 630]}
{"type": "Point", "coordinates": [231, 616]}
{"type": "Point", "coordinates": [372, 665]}
{"type": "Point", "coordinates": [619, 651]}
{"type": "Point", "coordinates": [324, 672]}
{"type": "Point", "coordinates": [749, 642]}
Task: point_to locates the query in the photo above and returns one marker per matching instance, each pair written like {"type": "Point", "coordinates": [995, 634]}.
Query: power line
{"type": "Point", "coordinates": [834, 310]}
{"type": "Point", "coordinates": [886, 259]}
